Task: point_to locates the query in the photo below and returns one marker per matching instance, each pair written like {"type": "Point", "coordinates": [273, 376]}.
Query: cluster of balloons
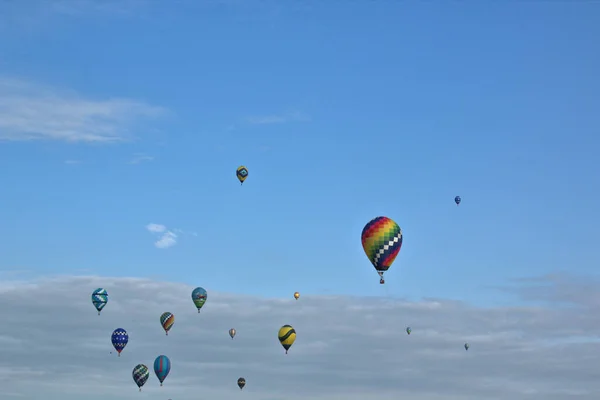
{"type": "Point", "coordinates": [162, 363]}
{"type": "Point", "coordinates": [381, 240]}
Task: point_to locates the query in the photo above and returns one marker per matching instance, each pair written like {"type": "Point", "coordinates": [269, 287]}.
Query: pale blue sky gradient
{"type": "Point", "coordinates": [391, 108]}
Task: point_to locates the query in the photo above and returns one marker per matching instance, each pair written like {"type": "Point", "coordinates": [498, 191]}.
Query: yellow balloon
{"type": "Point", "coordinates": [287, 337]}
{"type": "Point", "coordinates": [296, 295]}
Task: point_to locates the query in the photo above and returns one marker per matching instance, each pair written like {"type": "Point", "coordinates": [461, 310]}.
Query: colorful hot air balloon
{"type": "Point", "coordinates": [287, 337]}
{"type": "Point", "coordinates": [241, 383]}
{"type": "Point", "coordinates": [167, 320]}
{"type": "Point", "coordinates": [296, 295]}
{"type": "Point", "coordinates": [467, 346]}
{"type": "Point", "coordinates": [457, 200]}
{"type": "Point", "coordinates": [162, 367]}
{"type": "Point", "coordinates": [140, 375]}
{"type": "Point", "coordinates": [381, 240]}
{"type": "Point", "coordinates": [119, 339]}
{"type": "Point", "coordinates": [242, 174]}
{"type": "Point", "coordinates": [408, 330]}
{"type": "Point", "coordinates": [199, 297]}
{"type": "Point", "coordinates": [232, 333]}
{"type": "Point", "coordinates": [99, 299]}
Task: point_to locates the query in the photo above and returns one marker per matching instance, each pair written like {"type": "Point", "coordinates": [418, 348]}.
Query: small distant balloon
{"type": "Point", "coordinates": [241, 383]}
{"type": "Point", "coordinates": [242, 174]}
{"type": "Point", "coordinates": [99, 299]}
{"type": "Point", "coordinates": [457, 200]}
{"type": "Point", "coordinates": [232, 333]}
{"type": "Point", "coordinates": [167, 320]}
{"type": "Point", "coordinates": [140, 375]}
{"type": "Point", "coordinates": [199, 297]}
{"type": "Point", "coordinates": [162, 367]}
{"type": "Point", "coordinates": [408, 330]}
{"type": "Point", "coordinates": [287, 337]}
{"type": "Point", "coordinates": [381, 240]}
{"type": "Point", "coordinates": [119, 339]}
{"type": "Point", "coordinates": [296, 295]}
{"type": "Point", "coordinates": [467, 346]}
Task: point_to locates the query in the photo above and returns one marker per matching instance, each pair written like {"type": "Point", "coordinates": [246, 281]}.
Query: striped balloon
{"type": "Point", "coordinates": [381, 240]}
{"type": "Point", "coordinates": [140, 375]}
{"type": "Point", "coordinates": [167, 320]}
{"type": "Point", "coordinates": [99, 299]}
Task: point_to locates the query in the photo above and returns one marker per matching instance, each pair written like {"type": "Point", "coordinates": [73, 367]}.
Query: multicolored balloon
{"type": "Point", "coordinates": [241, 383]}
{"type": "Point", "coordinates": [408, 330]}
{"type": "Point", "coordinates": [162, 367]}
{"type": "Point", "coordinates": [140, 375]}
{"type": "Point", "coordinates": [167, 320]}
{"type": "Point", "coordinates": [457, 200]}
{"type": "Point", "coordinates": [242, 174]}
{"type": "Point", "coordinates": [199, 297]}
{"type": "Point", "coordinates": [381, 240]}
{"type": "Point", "coordinates": [232, 333]}
{"type": "Point", "coordinates": [119, 340]}
{"type": "Point", "coordinates": [287, 337]}
{"type": "Point", "coordinates": [296, 295]}
{"type": "Point", "coordinates": [99, 299]}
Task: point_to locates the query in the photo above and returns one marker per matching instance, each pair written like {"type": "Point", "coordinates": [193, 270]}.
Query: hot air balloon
{"type": "Point", "coordinates": [296, 295]}
{"type": "Point", "coordinates": [232, 333]}
{"type": "Point", "coordinates": [162, 367]}
{"type": "Point", "coordinates": [199, 297]}
{"type": "Point", "coordinates": [287, 337]}
{"type": "Point", "coordinates": [242, 174]}
{"type": "Point", "coordinates": [467, 346]}
{"type": "Point", "coordinates": [381, 240]}
{"type": "Point", "coordinates": [408, 330]}
{"type": "Point", "coordinates": [119, 339]}
{"type": "Point", "coordinates": [99, 299]}
{"type": "Point", "coordinates": [140, 375]}
{"type": "Point", "coordinates": [457, 200]}
{"type": "Point", "coordinates": [241, 383]}
{"type": "Point", "coordinates": [167, 320]}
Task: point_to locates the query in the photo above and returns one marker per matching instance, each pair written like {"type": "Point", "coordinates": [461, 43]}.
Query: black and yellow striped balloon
{"type": "Point", "coordinates": [287, 337]}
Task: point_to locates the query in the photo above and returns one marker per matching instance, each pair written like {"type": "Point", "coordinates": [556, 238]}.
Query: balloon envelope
{"type": "Point", "coordinates": [199, 297]}
{"type": "Point", "coordinates": [140, 375]}
{"type": "Point", "coordinates": [381, 239]}
{"type": "Point", "coordinates": [99, 299]}
{"type": "Point", "coordinates": [162, 367]}
{"type": "Point", "coordinates": [119, 339]}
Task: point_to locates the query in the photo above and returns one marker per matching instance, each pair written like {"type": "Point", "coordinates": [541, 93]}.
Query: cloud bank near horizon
{"type": "Point", "coordinates": [347, 347]}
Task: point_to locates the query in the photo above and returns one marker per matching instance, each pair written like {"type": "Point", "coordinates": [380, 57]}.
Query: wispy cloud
{"type": "Point", "coordinates": [140, 158]}
{"type": "Point", "coordinates": [156, 228]}
{"type": "Point", "coordinates": [32, 112]}
{"type": "Point", "coordinates": [166, 237]}
{"type": "Point", "coordinates": [72, 162]}
{"type": "Point", "coordinates": [295, 116]}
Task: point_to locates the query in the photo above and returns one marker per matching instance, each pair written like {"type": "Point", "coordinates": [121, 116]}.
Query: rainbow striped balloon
{"type": "Point", "coordinates": [382, 240]}
{"type": "Point", "coordinates": [167, 320]}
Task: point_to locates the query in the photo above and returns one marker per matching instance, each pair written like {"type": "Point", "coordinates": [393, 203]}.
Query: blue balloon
{"type": "Point", "coordinates": [162, 367]}
{"type": "Point", "coordinates": [457, 200]}
{"type": "Point", "coordinates": [119, 339]}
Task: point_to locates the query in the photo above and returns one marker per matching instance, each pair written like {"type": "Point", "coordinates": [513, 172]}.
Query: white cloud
{"type": "Point", "coordinates": [139, 158]}
{"type": "Point", "coordinates": [167, 240]}
{"type": "Point", "coordinates": [31, 112]}
{"type": "Point", "coordinates": [295, 116]}
{"type": "Point", "coordinates": [156, 228]}
{"type": "Point", "coordinates": [347, 347]}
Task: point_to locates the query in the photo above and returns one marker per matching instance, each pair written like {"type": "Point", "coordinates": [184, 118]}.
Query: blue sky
{"type": "Point", "coordinates": [341, 111]}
